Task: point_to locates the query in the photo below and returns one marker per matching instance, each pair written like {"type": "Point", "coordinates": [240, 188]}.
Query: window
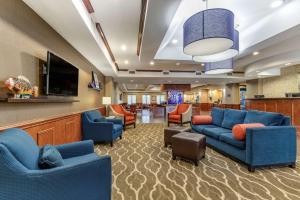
{"type": "Point", "coordinates": [131, 99]}
{"type": "Point", "coordinates": [146, 99]}
{"type": "Point", "coordinates": [160, 99]}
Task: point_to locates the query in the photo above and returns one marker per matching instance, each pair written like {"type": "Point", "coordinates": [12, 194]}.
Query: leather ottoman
{"type": "Point", "coordinates": [190, 146]}
{"type": "Point", "coordinates": [170, 131]}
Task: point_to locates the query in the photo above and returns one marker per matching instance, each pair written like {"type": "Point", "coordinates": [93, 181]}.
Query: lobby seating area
{"type": "Point", "coordinates": [149, 100]}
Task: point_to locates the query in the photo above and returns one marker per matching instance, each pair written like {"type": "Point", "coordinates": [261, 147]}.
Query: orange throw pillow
{"type": "Point", "coordinates": [202, 119]}
{"type": "Point", "coordinates": [239, 130]}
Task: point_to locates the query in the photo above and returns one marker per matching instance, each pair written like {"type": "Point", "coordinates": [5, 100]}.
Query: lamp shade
{"type": "Point", "coordinates": [227, 54]}
{"type": "Point", "coordinates": [220, 67]}
{"type": "Point", "coordinates": [106, 100]}
{"type": "Point", "coordinates": [208, 32]}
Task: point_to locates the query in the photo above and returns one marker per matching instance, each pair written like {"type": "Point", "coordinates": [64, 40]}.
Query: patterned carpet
{"type": "Point", "coordinates": [144, 169]}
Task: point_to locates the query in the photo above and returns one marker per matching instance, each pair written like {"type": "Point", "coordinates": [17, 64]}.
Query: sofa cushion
{"type": "Point", "coordinates": [215, 132]}
{"type": "Point", "coordinates": [266, 118]}
{"type": "Point", "coordinates": [175, 117]}
{"type": "Point", "coordinates": [232, 117]}
{"type": "Point", "coordinates": [202, 119]}
{"type": "Point", "coordinates": [217, 116]}
{"type": "Point", "coordinates": [50, 157]}
{"type": "Point", "coordinates": [229, 139]}
{"type": "Point", "coordinates": [22, 147]}
{"type": "Point", "coordinates": [117, 127]}
{"type": "Point", "coordinates": [199, 128]}
{"type": "Point", "coordinates": [239, 130]}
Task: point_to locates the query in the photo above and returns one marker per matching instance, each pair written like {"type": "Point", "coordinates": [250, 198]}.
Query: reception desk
{"type": "Point", "coordinates": [285, 106]}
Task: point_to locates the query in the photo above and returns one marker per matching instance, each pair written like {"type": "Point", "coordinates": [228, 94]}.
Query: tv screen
{"type": "Point", "coordinates": [175, 97]}
{"type": "Point", "coordinates": [62, 77]}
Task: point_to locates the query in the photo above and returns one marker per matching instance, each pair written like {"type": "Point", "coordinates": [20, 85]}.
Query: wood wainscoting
{"type": "Point", "coordinates": [54, 130]}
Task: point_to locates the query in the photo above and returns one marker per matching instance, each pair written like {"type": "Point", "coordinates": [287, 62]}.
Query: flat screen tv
{"type": "Point", "coordinates": [62, 77]}
{"type": "Point", "coordinates": [175, 97]}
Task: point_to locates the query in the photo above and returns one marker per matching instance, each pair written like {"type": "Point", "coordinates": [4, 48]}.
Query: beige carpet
{"type": "Point", "coordinates": [144, 169]}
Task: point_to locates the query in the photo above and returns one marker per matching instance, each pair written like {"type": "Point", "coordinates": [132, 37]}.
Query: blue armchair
{"type": "Point", "coordinates": [98, 128]}
{"type": "Point", "coordinates": [84, 175]}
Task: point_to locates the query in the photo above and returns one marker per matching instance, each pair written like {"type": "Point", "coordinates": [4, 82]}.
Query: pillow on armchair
{"type": "Point", "coordinates": [50, 157]}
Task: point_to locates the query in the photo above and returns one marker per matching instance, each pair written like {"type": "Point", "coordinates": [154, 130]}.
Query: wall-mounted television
{"type": "Point", "coordinates": [175, 97]}
{"type": "Point", "coordinates": [61, 77]}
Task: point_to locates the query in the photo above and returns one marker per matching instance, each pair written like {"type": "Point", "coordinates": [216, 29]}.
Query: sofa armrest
{"type": "Point", "coordinates": [271, 145]}
{"type": "Point", "coordinates": [99, 131]}
{"type": "Point", "coordinates": [115, 121]}
{"type": "Point", "coordinates": [76, 149]}
{"type": "Point", "coordinates": [87, 179]}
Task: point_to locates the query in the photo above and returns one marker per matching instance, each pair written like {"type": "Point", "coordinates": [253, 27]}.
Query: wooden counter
{"type": "Point", "coordinates": [286, 106]}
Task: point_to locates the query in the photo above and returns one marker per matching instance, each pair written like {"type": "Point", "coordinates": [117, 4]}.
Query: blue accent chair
{"type": "Point", "coordinates": [84, 174]}
{"type": "Point", "coordinates": [274, 144]}
{"type": "Point", "coordinates": [98, 128]}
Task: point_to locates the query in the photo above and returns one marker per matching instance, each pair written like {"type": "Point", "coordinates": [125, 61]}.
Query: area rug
{"type": "Point", "coordinates": [143, 169]}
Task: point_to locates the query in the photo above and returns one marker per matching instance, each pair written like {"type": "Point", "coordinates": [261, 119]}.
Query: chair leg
{"type": "Point", "coordinates": [292, 165]}
{"type": "Point", "coordinates": [111, 143]}
{"type": "Point", "coordinates": [120, 137]}
{"type": "Point", "coordinates": [124, 127]}
{"type": "Point", "coordinates": [134, 125]}
{"type": "Point", "coordinates": [251, 169]}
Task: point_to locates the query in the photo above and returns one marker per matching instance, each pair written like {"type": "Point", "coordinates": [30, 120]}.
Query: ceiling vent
{"type": "Point", "coordinates": [131, 71]}
{"type": "Point", "coordinates": [166, 72]}
{"type": "Point", "coordinates": [198, 73]}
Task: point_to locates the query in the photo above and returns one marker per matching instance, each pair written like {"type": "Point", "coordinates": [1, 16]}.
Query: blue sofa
{"type": "Point", "coordinates": [274, 144]}
{"type": "Point", "coordinates": [99, 129]}
{"type": "Point", "coordinates": [84, 175]}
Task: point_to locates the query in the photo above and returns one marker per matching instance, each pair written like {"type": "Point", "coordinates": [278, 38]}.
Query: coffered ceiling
{"type": "Point", "coordinates": [262, 28]}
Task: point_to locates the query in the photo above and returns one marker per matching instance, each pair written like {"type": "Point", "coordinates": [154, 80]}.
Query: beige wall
{"type": "Point", "coordinates": [24, 39]}
{"type": "Point", "coordinates": [288, 81]}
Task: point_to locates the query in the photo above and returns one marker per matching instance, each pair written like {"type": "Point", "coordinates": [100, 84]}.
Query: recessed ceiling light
{"type": "Point", "coordinates": [257, 71]}
{"type": "Point", "coordinates": [196, 81]}
{"type": "Point", "coordinates": [288, 64]}
{"type": "Point", "coordinates": [151, 63]}
{"type": "Point", "coordinates": [126, 62]}
{"type": "Point", "coordinates": [169, 81]}
{"type": "Point", "coordinates": [255, 53]}
{"type": "Point", "coordinates": [202, 64]}
{"type": "Point", "coordinates": [124, 47]}
{"type": "Point", "coordinates": [131, 81]}
{"type": "Point", "coordinates": [174, 41]}
{"type": "Point", "coordinates": [276, 3]}
{"type": "Point", "coordinates": [178, 64]}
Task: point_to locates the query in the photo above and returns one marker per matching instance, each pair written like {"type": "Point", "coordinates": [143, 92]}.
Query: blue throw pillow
{"type": "Point", "coordinates": [50, 157]}
{"type": "Point", "coordinates": [266, 118]}
{"type": "Point", "coordinates": [217, 116]}
{"type": "Point", "coordinates": [233, 117]}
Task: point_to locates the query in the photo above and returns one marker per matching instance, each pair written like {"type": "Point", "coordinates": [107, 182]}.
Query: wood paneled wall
{"type": "Point", "coordinates": [54, 130]}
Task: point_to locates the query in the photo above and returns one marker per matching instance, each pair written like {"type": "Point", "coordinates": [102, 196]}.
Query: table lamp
{"type": "Point", "coordinates": [106, 101]}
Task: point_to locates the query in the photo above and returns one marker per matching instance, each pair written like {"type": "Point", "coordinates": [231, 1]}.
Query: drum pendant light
{"type": "Point", "coordinates": [208, 32]}
{"type": "Point", "coordinates": [220, 67]}
{"type": "Point", "coordinates": [229, 53]}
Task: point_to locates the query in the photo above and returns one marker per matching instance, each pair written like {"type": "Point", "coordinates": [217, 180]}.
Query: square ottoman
{"type": "Point", "coordinates": [190, 146]}
{"type": "Point", "coordinates": [170, 131]}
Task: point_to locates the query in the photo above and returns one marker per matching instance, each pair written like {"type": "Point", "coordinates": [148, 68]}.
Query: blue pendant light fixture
{"type": "Point", "coordinates": [220, 67]}
{"type": "Point", "coordinates": [208, 32]}
{"type": "Point", "coordinates": [229, 53]}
